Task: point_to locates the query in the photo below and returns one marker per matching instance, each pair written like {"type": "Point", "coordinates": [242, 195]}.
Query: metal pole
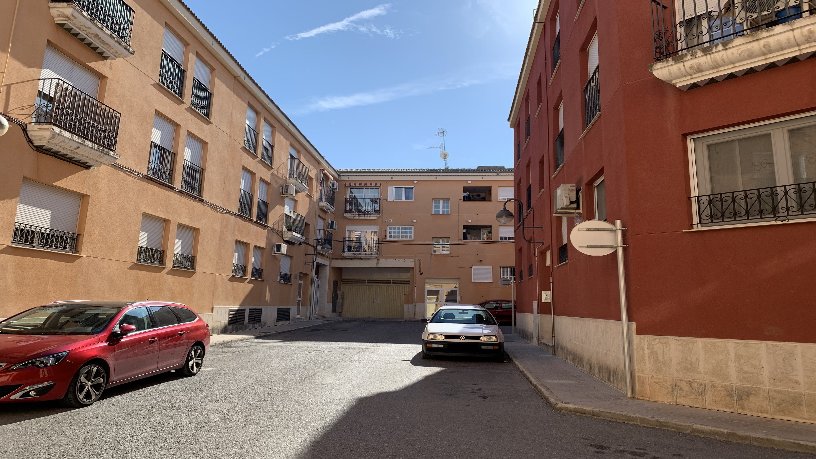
{"type": "Point", "coordinates": [513, 304]}
{"type": "Point", "coordinates": [624, 313]}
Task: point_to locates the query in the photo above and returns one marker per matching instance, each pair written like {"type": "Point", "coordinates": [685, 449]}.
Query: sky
{"type": "Point", "coordinates": [370, 83]}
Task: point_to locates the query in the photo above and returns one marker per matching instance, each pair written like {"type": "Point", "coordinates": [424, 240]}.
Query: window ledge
{"type": "Point", "coordinates": [170, 93]}
{"type": "Point", "coordinates": [200, 115]}
{"type": "Point", "coordinates": [554, 72]}
{"type": "Point", "coordinates": [176, 268]}
{"type": "Point", "coordinates": [589, 126]}
{"type": "Point", "coordinates": [149, 265]}
{"type": "Point", "coordinates": [558, 169]}
{"type": "Point", "coordinates": [750, 225]}
{"type": "Point", "coordinates": [60, 252]}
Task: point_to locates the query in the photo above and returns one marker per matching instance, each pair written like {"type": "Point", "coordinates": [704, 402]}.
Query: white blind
{"type": "Point", "coordinates": [482, 274]}
{"type": "Point", "coordinates": [289, 205]}
{"type": "Point", "coordinates": [246, 180]}
{"type": "Point", "coordinates": [257, 256]}
{"type": "Point", "coordinates": [193, 150]}
{"type": "Point", "coordinates": [202, 72]}
{"type": "Point", "coordinates": [285, 264]}
{"type": "Point", "coordinates": [687, 9]}
{"type": "Point", "coordinates": [164, 132]}
{"type": "Point", "coordinates": [320, 224]}
{"type": "Point", "coordinates": [184, 240]}
{"type": "Point", "coordinates": [251, 118]}
{"type": "Point", "coordinates": [561, 116]}
{"type": "Point", "coordinates": [173, 46]}
{"type": "Point", "coordinates": [48, 207]}
{"type": "Point", "coordinates": [505, 193]}
{"type": "Point", "coordinates": [151, 232]}
{"type": "Point", "coordinates": [592, 56]}
{"type": "Point", "coordinates": [267, 132]}
{"type": "Point", "coordinates": [506, 233]}
{"type": "Point", "coordinates": [263, 190]}
{"type": "Point", "coordinates": [239, 256]}
{"type": "Point", "coordinates": [58, 65]}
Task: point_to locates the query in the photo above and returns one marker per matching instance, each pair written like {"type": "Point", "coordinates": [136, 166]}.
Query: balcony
{"type": "Point", "coordinates": [328, 193]}
{"type": "Point", "coordinates": [74, 125]}
{"type": "Point", "coordinates": [361, 248]}
{"type": "Point", "coordinates": [266, 151]}
{"type": "Point", "coordinates": [238, 270]}
{"type": "Point", "coordinates": [245, 204]}
{"type": "Point", "coordinates": [257, 273]}
{"type": "Point", "coordinates": [696, 43]}
{"type": "Point", "coordinates": [201, 99]}
{"type": "Point", "coordinates": [160, 163]}
{"type": "Point", "coordinates": [592, 98]}
{"type": "Point", "coordinates": [285, 278]}
{"type": "Point", "coordinates": [324, 241]}
{"type": "Point", "coordinates": [184, 261]}
{"type": "Point", "coordinates": [298, 174]}
{"type": "Point", "coordinates": [171, 74]}
{"type": "Point", "coordinates": [778, 203]}
{"type": "Point", "coordinates": [104, 25]}
{"type": "Point", "coordinates": [262, 214]}
{"type": "Point", "coordinates": [362, 208]}
{"type": "Point", "coordinates": [294, 226]}
{"type": "Point", "coordinates": [37, 237]}
{"type": "Point", "coordinates": [192, 177]}
{"type": "Point", "coordinates": [251, 139]}
{"type": "Point", "coordinates": [150, 256]}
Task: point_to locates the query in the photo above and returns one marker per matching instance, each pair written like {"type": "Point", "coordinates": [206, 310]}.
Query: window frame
{"type": "Point", "coordinates": [595, 185]}
{"type": "Point", "coordinates": [399, 230]}
{"type": "Point", "coordinates": [393, 193]}
{"type": "Point", "coordinates": [440, 247]}
{"type": "Point", "coordinates": [444, 205]}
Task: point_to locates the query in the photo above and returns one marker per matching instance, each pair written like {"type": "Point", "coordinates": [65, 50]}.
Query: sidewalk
{"type": "Point", "coordinates": [566, 388]}
{"type": "Point", "coordinates": [254, 333]}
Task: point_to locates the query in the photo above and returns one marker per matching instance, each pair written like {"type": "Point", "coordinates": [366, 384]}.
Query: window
{"type": "Point", "coordinates": [441, 206]}
{"type": "Point", "coordinates": [592, 90]}
{"type": "Point", "coordinates": [47, 218]}
{"type": "Point", "coordinates": [201, 98]}
{"type": "Point", "coordinates": [245, 197]}
{"type": "Point", "coordinates": [171, 68]}
{"type": "Point", "coordinates": [563, 249]}
{"type": "Point", "coordinates": [556, 47]}
{"type": "Point", "coordinates": [263, 205]}
{"type": "Point", "coordinates": [151, 241]}
{"type": "Point", "coordinates": [58, 65]}
{"type": "Point", "coordinates": [400, 193]}
{"type": "Point", "coordinates": [505, 193]}
{"type": "Point", "coordinates": [400, 232]}
{"type": "Point", "coordinates": [285, 276]}
{"type": "Point", "coordinates": [506, 233]}
{"type": "Point", "coordinates": [239, 259]}
{"type": "Point", "coordinates": [441, 246]}
{"type": "Point", "coordinates": [600, 199]}
{"type": "Point", "coordinates": [161, 161]}
{"type": "Point", "coordinates": [185, 315]}
{"type": "Point", "coordinates": [192, 174]}
{"type": "Point", "coordinates": [257, 263]}
{"type": "Point", "coordinates": [163, 316]}
{"type": "Point", "coordinates": [138, 317]}
{"type": "Point", "coordinates": [559, 139]}
{"type": "Point", "coordinates": [183, 248]}
{"type": "Point", "coordinates": [267, 145]}
{"type": "Point", "coordinates": [482, 274]}
{"type": "Point", "coordinates": [250, 132]}
{"type": "Point", "coordinates": [763, 172]}
{"type": "Point", "coordinates": [507, 272]}
{"type": "Point", "coordinates": [477, 233]}
{"type": "Point", "coordinates": [477, 193]}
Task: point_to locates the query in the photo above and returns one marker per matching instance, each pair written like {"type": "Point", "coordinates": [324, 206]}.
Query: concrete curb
{"type": "Point", "coordinates": [234, 338]}
{"type": "Point", "coordinates": [693, 429]}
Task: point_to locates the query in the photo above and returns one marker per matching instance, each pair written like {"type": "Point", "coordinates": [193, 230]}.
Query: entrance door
{"type": "Point", "coordinates": [299, 299]}
{"type": "Point", "coordinates": [440, 292]}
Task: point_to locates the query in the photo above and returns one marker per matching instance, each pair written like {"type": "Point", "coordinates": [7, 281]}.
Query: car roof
{"type": "Point", "coordinates": [461, 306]}
{"type": "Point", "coordinates": [120, 304]}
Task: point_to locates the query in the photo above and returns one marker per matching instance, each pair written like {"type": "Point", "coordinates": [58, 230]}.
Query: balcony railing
{"type": "Point", "coordinates": [361, 247]}
{"type": "Point", "coordinates": [171, 74]}
{"type": "Point", "coordinates": [238, 270]}
{"type": "Point", "coordinates": [115, 15]}
{"type": "Point", "coordinates": [559, 149]}
{"type": "Point", "coordinates": [324, 240]}
{"type": "Point", "coordinates": [257, 273]}
{"type": "Point", "coordinates": [285, 278]}
{"type": "Point", "coordinates": [66, 107]}
{"type": "Point", "coordinates": [362, 207]}
{"type": "Point", "coordinates": [250, 138]}
{"type": "Point", "coordinates": [150, 256]}
{"type": "Point", "coordinates": [38, 237]}
{"type": "Point", "coordinates": [184, 261]}
{"type": "Point", "coordinates": [783, 202]}
{"type": "Point", "coordinates": [563, 254]}
{"type": "Point", "coordinates": [160, 163]}
{"type": "Point", "coordinates": [299, 171]}
{"type": "Point", "coordinates": [294, 223]}
{"type": "Point", "coordinates": [328, 195]}
{"type": "Point", "coordinates": [693, 24]}
{"type": "Point", "coordinates": [201, 99]}
{"type": "Point", "coordinates": [245, 203]}
{"type": "Point", "coordinates": [266, 151]}
{"type": "Point", "coordinates": [262, 213]}
{"type": "Point", "coordinates": [592, 98]}
{"type": "Point", "coordinates": [556, 51]}
{"type": "Point", "coordinates": [192, 176]}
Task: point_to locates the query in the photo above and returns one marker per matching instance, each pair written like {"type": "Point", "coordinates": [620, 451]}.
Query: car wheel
{"type": "Point", "coordinates": [194, 361]}
{"type": "Point", "coordinates": [87, 386]}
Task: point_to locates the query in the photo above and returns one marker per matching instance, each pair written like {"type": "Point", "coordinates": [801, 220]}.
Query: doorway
{"type": "Point", "coordinates": [439, 292]}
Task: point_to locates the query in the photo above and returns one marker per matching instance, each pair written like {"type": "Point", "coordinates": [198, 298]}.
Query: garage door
{"type": "Point", "coordinates": [375, 299]}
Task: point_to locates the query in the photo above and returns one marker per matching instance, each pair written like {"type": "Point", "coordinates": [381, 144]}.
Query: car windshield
{"type": "Point", "coordinates": [462, 316]}
{"type": "Point", "coordinates": [61, 319]}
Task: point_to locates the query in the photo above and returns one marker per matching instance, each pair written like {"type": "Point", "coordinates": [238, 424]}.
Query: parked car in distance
{"type": "Point", "coordinates": [502, 310]}
{"type": "Point", "coordinates": [462, 330]}
{"type": "Point", "coordinates": [73, 350]}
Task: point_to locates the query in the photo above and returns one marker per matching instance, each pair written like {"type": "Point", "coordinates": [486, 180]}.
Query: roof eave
{"type": "Point", "coordinates": [529, 54]}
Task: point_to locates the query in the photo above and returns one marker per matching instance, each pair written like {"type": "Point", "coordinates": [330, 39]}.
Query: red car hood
{"type": "Point", "coordinates": [17, 348]}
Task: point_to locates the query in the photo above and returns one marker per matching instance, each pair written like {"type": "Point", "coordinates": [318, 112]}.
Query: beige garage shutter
{"type": "Point", "coordinates": [374, 299]}
{"type": "Point", "coordinates": [48, 207]}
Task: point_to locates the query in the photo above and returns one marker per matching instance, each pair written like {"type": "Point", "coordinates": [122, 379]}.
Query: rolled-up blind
{"type": "Point", "coordinates": [48, 207]}
{"type": "Point", "coordinates": [164, 132]}
{"type": "Point", "coordinates": [184, 240]}
{"type": "Point", "coordinates": [202, 72]}
{"type": "Point", "coordinates": [257, 256]}
{"type": "Point", "coordinates": [173, 46]}
{"type": "Point", "coordinates": [592, 55]}
{"type": "Point", "coordinates": [58, 65]}
{"type": "Point", "coordinates": [193, 150]}
{"type": "Point", "coordinates": [151, 232]}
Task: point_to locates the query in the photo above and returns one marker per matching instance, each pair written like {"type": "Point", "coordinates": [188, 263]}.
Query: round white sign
{"type": "Point", "coordinates": [595, 238]}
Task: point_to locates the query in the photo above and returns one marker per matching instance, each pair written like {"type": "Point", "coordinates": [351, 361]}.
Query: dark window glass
{"type": "Point", "coordinates": [163, 316]}
{"type": "Point", "coordinates": [138, 317]}
{"type": "Point", "coordinates": [185, 315]}
{"type": "Point", "coordinates": [69, 319]}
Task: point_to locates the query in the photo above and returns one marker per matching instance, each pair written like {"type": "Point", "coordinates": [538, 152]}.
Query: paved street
{"type": "Point", "coordinates": [343, 389]}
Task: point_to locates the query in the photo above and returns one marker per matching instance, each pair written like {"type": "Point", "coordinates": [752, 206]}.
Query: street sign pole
{"type": "Point", "coordinates": [623, 308]}
{"type": "Point", "coordinates": [513, 304]}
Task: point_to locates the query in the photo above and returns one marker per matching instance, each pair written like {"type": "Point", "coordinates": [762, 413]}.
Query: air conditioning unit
{"type": "Point", "coordinates": [279, 249]}
{"type": "Point", "coordinates": [332, 225]}
{"type": "Point", "coordinates": [288, 190]}
{"type": "Point", "coordinates": [566, 200]}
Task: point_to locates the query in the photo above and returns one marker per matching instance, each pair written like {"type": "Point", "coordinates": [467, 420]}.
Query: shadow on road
{"type": "Point", "coordinates": [356, 331]}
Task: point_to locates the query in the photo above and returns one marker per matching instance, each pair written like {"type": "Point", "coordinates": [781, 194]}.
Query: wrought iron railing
{"type": "Point", "coordinates": [285, 278]}
{"type": "Point", "coordinates": [298, 171]}
{"type": "Point", "coordinates": [681, 25]}
{"type": "Point", "coordinates": [328, 194]}
{"type": "Point", "coordinates": [266, 151]}
{"type": "Point", "coordinates": [783, 202]}
{"type": "Point", "coordinates": [192, 177]}
{"type": "Point", "coordinates": [294, 223]}
{"type": "Point", "coordinates": [201, 98]}
{"type": "Point", "coordinates": [257, 273]}
{"type": "Point", "coordinates": [362, 206]}
{"type": "Point", "coordinates": [171, 74]}
{"type": "Point", "coordinates": [38, 237]}
{"type": "Point", "coordinates": [559, 149]}
{"type": "Point", "coordinates": [238, 270]}
{"type": "Point", "coordinates": [324, 240]}
{"type": "Point", "coordinates": [592, 98]}
{"type": "Point", "coordinates": [245, 203]}
{"type": "Point", "coordinates": [556, 51]}
{"type": "Point", "coordinates": [67, 107]}
{"type": "Point", "coordinates": [160, 163]}
{"type": "Point", "coordinates": [150, 256]}
{"type": "Point", "coordinates": [250, 138]}
{"type": "Point", "coordinates": [184, 261]}
{"type": "Point", "coordinates": [563, 253]}
{"type": "Point", "coordinates": [114, 15]}
{"type": "Point", "coordinates": [262, 213]}
{"type": "Point", "coordinates": [368, 246]}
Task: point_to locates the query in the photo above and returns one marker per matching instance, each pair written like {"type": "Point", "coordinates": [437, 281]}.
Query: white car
{"type": "Point", "coordinates": [462, 329]}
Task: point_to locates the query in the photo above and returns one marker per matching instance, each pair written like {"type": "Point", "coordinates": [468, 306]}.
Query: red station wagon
{"type": "Point", "coordinates": [502, 310]}
{"type": "Point", "coordinates": [73, 350]}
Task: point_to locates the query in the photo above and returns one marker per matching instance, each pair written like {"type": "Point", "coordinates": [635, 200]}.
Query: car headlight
{"type": "Point", "coordinates": [41, 362]}
{"type": "Point", "coordinates": [489, 338]}
{"type": "Point", "coordinates": [435, 337]}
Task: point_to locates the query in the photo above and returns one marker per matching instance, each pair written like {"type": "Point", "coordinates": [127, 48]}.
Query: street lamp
{"type": "Point", "coordinates": [506, 217]}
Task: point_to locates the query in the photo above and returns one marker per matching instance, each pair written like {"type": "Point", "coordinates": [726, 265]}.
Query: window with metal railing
{"type": "Point", "coordinates": [171, 74]}
{"type": "Point", "coordinates": [238, 270]}
{"type": "Point", "coordinates": [559, 149]}
{"type": "Point", "coordinates": [184, 261]}
{"type": "Point", "coordinates": [150, 256]}
{"type": "Point", "coordinates": [563, 253]}
{"type": "Point", "coordinates": [250, 138]}
{"type": "Point", "coordinates": [115, 15]}
{"type": "Point", "coordinates": [266, 151]}
{"type": "Point", "coordinates": [362, 206]}
{"type": "Point", "coordinates": [201, 98]}
{"type": "Point", "coordinates": [38, 237]}
{"type": "Point", "coordinates": [192, 177]}
{"type": "Point", "coordinates": [257, 273]}
{"type": "Point", "coordinates": [160, 163]}
{"type": "Point", "coordinates": [298, 170]}
{"type": "Point", "coordinates": [592, 98]}
{"type": "Point", "coordinates": [263, 212]}
{"type": "Point", "coordinates": [245, 203]}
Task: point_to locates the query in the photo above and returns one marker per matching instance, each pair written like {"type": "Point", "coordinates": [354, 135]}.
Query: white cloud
{"type": "Point", "coordinates": [266, 50]}
{"type": "Point", "coordinates": [351, 23]}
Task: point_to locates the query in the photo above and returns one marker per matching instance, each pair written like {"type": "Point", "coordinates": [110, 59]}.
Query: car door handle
{"type": "Point", "coordinates": [152, 340]}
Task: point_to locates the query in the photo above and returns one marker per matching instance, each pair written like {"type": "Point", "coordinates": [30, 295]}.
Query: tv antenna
{"type": "Point", "coordinates": [443, 154]}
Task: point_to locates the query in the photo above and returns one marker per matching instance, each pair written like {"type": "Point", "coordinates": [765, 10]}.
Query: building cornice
{"type": "Point", "coordinates": [529, 55]}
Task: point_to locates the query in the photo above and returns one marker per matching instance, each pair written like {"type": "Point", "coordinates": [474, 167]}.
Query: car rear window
{"type": "Point", "coordinates": [163, 316]}
{"type": "Point", "coordinates": [185, 315]}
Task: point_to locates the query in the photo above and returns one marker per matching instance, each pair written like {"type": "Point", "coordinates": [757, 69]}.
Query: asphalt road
{"type": "Point", "coordinates": [345, 389]}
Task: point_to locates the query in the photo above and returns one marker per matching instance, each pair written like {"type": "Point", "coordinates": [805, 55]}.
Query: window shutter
{"type": "Point", "coordinates": [58, 65]}
{"type": "Point", "coordinates": [251, 118]}
{"type": "Point", "coordinates": [482, 274]}
{"type": "Point", "coordinates": [246, 180]}
{"type": "Point", "coordinates": [267, 132]}
{"type": "Point", "coordinates": [164, 132]}
{"type": "Point", "coordinates": [193, 151]}
{"type": "Point", "coordinates": [592, 56]}
{"type": "Point", "coordinates": [48, 207]}
{"type": "Point", "coordinates": [390, 193]}
{"type": "Point", "coordinates": [173, 46]}
{"type": "Point", "coordinates": [257, 256]}
{"type": "Point", "coordinates": [184, 240]}
{"type": "Point", "coordinates": [561, 117]}
{"type": "Point", "coordinates": [285, 264]}
{"type": "Point", "coordinates": [289, 205]}
{"type": "Point", "coordinates": [239, 257]}
{"type": "Point", "coordinates": [201, 72]}
{"type": "Point", "coordinates": [263, 190]}
{"type": "Point", "coordinates": [151, 232]}
{"type": "Point", "coordinates": [506, 233]}
{"type": "Point", "coordinates": [505, 193]}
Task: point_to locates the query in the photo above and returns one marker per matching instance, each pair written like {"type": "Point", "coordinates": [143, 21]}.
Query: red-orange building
{"type": "Point", "coordinates": [694, 123]}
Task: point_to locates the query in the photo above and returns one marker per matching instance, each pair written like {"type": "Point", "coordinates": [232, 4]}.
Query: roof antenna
{"type": "Point", "coordinates": [443, 154]}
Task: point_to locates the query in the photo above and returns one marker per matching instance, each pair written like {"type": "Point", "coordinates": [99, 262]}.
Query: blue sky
{"type": "Point", "coordinates": [370, 83]}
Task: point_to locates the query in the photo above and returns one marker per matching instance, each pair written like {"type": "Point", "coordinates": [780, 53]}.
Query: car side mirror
{"type": "Point", "coordinates": [126, 329]}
